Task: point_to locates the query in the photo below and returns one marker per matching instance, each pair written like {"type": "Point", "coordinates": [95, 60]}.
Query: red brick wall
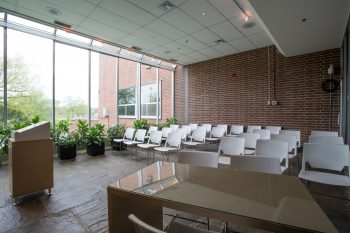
{"type": "Point", "coordinates": [180, 94]}
{"type": "Point", "coordinates": [234, 90]}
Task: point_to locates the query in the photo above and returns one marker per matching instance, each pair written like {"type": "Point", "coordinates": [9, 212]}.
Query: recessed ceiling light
{"type": "Point", "coordinates": [53, 11]}
{"type": "Point", "coordinates": [204, 13]}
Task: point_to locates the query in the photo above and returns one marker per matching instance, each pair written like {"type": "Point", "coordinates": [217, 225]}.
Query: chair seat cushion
{"type": "Point", "coordinates": [121, 140]}
{"type": "Point", "coordinates": [325, 178]}
{"type": "Point", "coordinates": [132, 143]}
{"type": "Point", "coordinates": [165, 149]}
{"type": "Point", "coordinates": [192, 143]}
{"type": "Point", "coordinates": [212, 139]}
{"type": "Point", "coordinates": [146, 146]}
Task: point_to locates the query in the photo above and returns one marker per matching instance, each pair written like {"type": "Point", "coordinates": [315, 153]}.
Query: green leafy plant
{"type": "Point", "coordinates": [170, 121]}
{"type": "Point", "coordinates": [116, 132]}
{"type": "Point", "coordinates": [141, 124]}
{"type": "Point", "coordinates": [96, 135]}
{"type": "Point", "coordinates": [61, 136]}
{"type": "Point", "coordinates": [81, 133]}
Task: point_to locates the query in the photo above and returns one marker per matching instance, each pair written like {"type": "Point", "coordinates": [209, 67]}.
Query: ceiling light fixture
{"type": "Point", "coordinates": [246, 16]}
{"type": "Point", "coordinates": [204, 13]}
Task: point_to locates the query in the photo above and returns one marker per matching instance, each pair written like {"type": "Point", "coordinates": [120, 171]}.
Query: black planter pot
{"type": "Point", "coordinates": [118, 145]}
{"type": "Point", "coordinates": [95, 149]}
{"type": "Point", "coordinates": [67, 152]}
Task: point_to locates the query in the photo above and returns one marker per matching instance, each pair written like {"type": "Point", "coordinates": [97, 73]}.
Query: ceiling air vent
{"type": "Point", "coordinates": [248, 25]}
{"type": "Point", "coordinates": [220, 41]}
{"type": "Point", "coordinates": [166, 6]}
{"type": "Point", "coordinates": [62, 24]}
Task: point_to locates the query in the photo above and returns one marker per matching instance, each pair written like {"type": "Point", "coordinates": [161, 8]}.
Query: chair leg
{"type": "Point", "coordinates": [208, 224]}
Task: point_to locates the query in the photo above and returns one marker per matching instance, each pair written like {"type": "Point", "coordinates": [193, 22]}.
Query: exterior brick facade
{"type": "Point", "coordinates": [235, 90]}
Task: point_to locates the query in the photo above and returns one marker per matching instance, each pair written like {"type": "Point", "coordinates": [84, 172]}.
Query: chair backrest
{"type": "Point", "coordinates": [223, 126]}
{"type": "Point", "coordinates": [272, 148]}
{"type": "Point", "coordinates": [199, 134]}
{"type": "Point", "coordinates": [256, 164]}
{"type": "Point", "coordinates": [208, 127]}
{"type": "Point", "coordinates": [236, 129]}
{"type": "Point", "coordinates": [252, 127]}
{"type": "Point", "coordinates": [174, 127]}
{"type": "Point", "coordinates": [250, 139]}
{"type": "Point", "coordinates": [217, 132]}
{"type": "Point", "coordinates": [155, 137]}
{"type": "Point", "coordinates": [129, 133]}
{"type": "Point", "coordinates": [294, 133]}
{"type": "Point", "coordinates": [264, 133]}
{"type": "Point", "coordinates": [290, 139]}
{"type": "Point", "coordinates": [140, 135]}
{"type": "Point", "coordinates": [324, 133]}
{"type": "Point", "coordinates": [166, 131]}
{"type": "Point", "coordinates": [326, 156]}
{"type": "Point", "coordinates": [231, 146]}
{"type": "Point", "coordinates": [141, 226]}
{"type": "Point", "coordinates": [326, 139]}
{"type": "Point", "coordinates": [199, 158]}
{"type": "Point", "coordinates": [183, 133]}
{"type": "Point", "coordinates": [174, 139]}
{"type": "Point", "coordinates": [193, 126]}
{"type": "Point", "coordinates": [187, 128]}
{"type": "Point", "coordinates": [152, 128]}
{"type": "Point", "coordinates": [274, 129]}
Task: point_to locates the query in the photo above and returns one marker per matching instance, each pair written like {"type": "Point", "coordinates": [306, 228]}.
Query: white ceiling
{"type": "Point", "coordinates": [183, 34]}
{"type": "Point", "coordinates": [282, 19]}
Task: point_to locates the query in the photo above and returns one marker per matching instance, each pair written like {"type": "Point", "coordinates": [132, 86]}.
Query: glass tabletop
{"type": "Point", "coordinates": [275, 198]}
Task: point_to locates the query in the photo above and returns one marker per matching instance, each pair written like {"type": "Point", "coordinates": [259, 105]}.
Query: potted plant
{"type": "Point", "coordinates": [114, 133]}
{"type": "Point", "coordinates": [170, 121]}
{"type": "Point", "coordinates": [81, 132]}
{"type": "Point", "coordinates": [64, 140]}
{"type": "Point", "coordinates": [141, 124]}
{"type": "Point", "coordinates": [95, 140]}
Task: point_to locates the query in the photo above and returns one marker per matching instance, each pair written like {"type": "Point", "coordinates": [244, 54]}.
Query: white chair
{"type": "Point", "coordinates": [199, 158]}
{"type": "Point", "coordinates": [324, 133]}
{"type": "Point", "coordinates": [151, 129]}
{"type": "Point", "coordinates": [250, 142]}
{"type": "Point", "coordinates": [252, 127]}
{"type": "Point", "coordinates": [183, 133]}
{"type": "Point", "coordinates": [264, 133]}
{"type": "Point", "coordinates": [172, 144]}
{"type": "Point", "coordinates": [174, 127]}
{"type": "Point", "coordinates": [187, 128]}
{"type": "Point", "coordinates": [193, 127]}
{"type": "Point", "coordinates": [230, 146]}
{"type": "Point", "coordinates": [138, 139]}
{"type": "Point", "coordinates": [274, 129]}
{"type": "Point", "coordinates": [198, 137]}
{"type": "Point", "coordinates": [128, 136]}
{"type": "Point", "coordinates": [325, 156]}
{"type": "Point", "coordinates": [236, 129]}
{"type": "Point", "coordinates": [165, 132]}
{"type": "Point", "coordinates": [293, 133]}
{"type": "Point", "coordinates": [154, 140]}
{"type": "Point", "coordinates": [225, 127]}
{"type": "Point", "coordinates": [215, 134]}
{"type": "Point", "coordinates": [173, 227]}
{"type": "Point", "coordinates": [208, 127]}
{"type": "Point", "coordinates": [326, 139]}
{"type": "Point", "coordinates": [256, 164]}
{"type": "Point", "coordinates": [292, 145]}
{"type": "Point", "coordinates": [271, 148]}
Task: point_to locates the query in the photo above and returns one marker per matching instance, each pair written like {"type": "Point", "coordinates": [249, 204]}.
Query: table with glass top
{"type": "Point", "coordinates": [276, 203]}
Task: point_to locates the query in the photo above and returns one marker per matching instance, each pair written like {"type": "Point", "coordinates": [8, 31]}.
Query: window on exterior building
{"type": "Point", "coordinates": [149, 100]}
{"type": "Point", "coordinates": [30, 24]}
{"type": "Point", "coordinates": [127, 101]}
{"type": "Point", "coordinates": [73, 36]}
{"type": "Point", "coordinates": [2, 116]}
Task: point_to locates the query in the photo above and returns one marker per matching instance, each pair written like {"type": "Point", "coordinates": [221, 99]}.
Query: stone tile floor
{"type": "Point", "coordinates": [79, 200]}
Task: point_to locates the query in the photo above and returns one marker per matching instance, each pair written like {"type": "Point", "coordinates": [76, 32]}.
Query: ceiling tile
{"type": "Point", "coordinates": [39, 6]}
{"type": "Point", "coordinates": [179, 48]}
{"type": "Point", "coordinates": [128, 11]}
{"type": "Point", "coordinates": [191, 43]}
{"type": "Point", "coordinates": [182, 21]}
{"type": "Point", "coordinates": [78, 6]}
{"type": "Point", "coordinates": [227, 7]}
{"type": "Point", "coordinates": [99, 35]}
{"type": "Point", "coordinates": [165, 29]}
{"type": "Point", "coordinates": [226, 31]}
{"type": "Point", "coordinates": [195, 10]}
{"type": "Point", "coordinates": [260, 39]}
{"type": "Point", "coordinates": [103, 29]}
{"type": "Point", "coordinates": [184, 60]}
{"type": "Point", "coordinates": [33, 14]}
{"type": "Point", "coordinates": [206, 36]}
{"type": "Point", "coordinates": [210, 52]}
{"type": "Point", "coordinates": [9, 5]}
{"type": "Point", "coordinates": [149, 35]}
{"type": "Point", "coordinates": [239, 22]}
{"type": "Point", "coordinates": [242, 44]}
{"type": "Point", "coordinates": [138, 42]}
{"type": "Point", "coordinates": [153, 5]}
{"type": "Point", "coordinates": [197, 56]}
{"type": "Point", "coordinates": [96, 2]}
{"type": "Point", "coordinates": [110, 19]}
{"type": "Point", "coordinates": [225, 48]}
